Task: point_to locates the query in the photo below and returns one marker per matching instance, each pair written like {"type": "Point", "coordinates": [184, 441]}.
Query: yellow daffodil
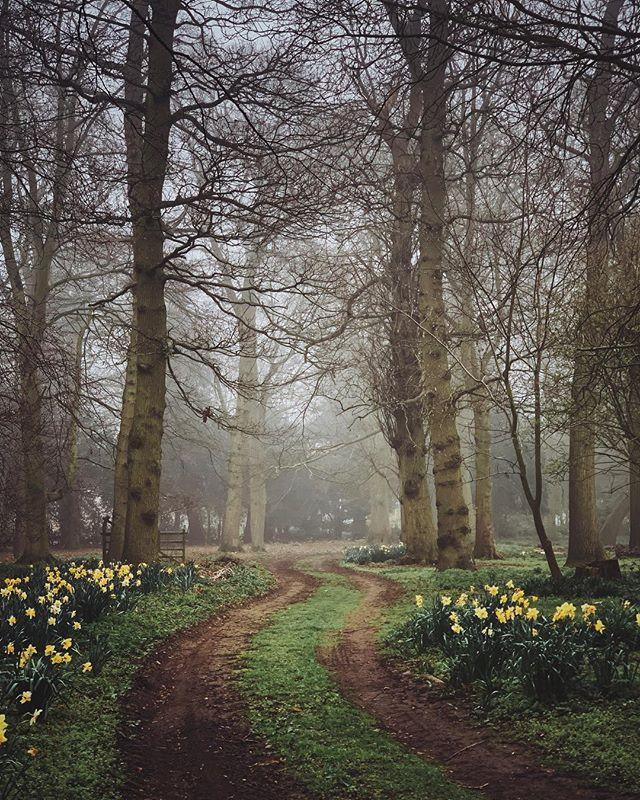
{"type": "Point", "coordinates": [76, 626]}
{"type": "Point", "coordinates": [564, 611]}
{"type": "Point", "coordinates": [500, 614]}
{"type": "Point", "coordinates": [532, 613]}
{"type": "Point", "coordinates": [637, 619]}
{"type": "Point", "coordinates": [534, 631]}
{"type": "Point", "coordinates": [461, 601]}
{"type": "Point", "coordinates": [509, 584]}
{"type": "Point", "coordinates": [456, 628]}
{"type": "Point", "coordinates": [25, 697]}
{"type": "Point", "coordinates": [587, 610]}
{"type": "Point", "coordinates": [12, 620]}
{"type": "Point", "coordinates": [66, 643]}
{"type": "Point", "coordinates": [34, 716]}
{"type": "Point", "coordinates": [419, 600]}
{"type": "Point", "coordinates": [599, 626]}
{"type": "Point", "coordinates": [454, 617]}
{"type": "Point", "coordinates": [481, 612]}
{"type": "Point", "coordinates": [30, 612]}
{"type": "Point", "coordinates": [87, 666]}
{"type": "Point", "coordinates": [3, 728]}
{"type": "Point", "coordinates": [492, 590]}
{"type": "Point", "coordinates": [503, 599]}
{"type": "Point", "coordinates": [10, 648]}
{"type": "Point", "coordinates": [445, 600]}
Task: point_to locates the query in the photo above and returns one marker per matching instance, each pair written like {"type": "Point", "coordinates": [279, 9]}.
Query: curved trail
{"type": "Point", "coordinates": [193, 741]}
{"type": "Point", "coordinates": [432, 726]}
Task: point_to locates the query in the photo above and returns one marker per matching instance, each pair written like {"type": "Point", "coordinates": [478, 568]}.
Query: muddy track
{"type": "Point", "coordinates": [193, 741]}
{"type": "Point", "coordinates": [435, 727]}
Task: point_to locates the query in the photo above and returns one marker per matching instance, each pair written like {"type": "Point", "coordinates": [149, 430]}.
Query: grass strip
{"type": "Point", "coordinates": [77, 748]}
{"type": "Point", "coordinates": [333, 748]}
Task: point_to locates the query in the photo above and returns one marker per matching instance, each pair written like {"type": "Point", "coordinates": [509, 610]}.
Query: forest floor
{"type": "Point", "coordinates": [291, 696]}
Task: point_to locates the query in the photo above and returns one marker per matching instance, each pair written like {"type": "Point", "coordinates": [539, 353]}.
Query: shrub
{"type": "Point", "coordinates": [498, 636]}
{"type": "Point", "coordinates": [375, 554]}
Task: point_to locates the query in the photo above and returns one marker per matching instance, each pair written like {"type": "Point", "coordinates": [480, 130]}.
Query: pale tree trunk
{"type": "Point", "coordinates": [230, 538]}
{"type": "Point", "coordinates": [133, 133]}
{"type": "Point", "coordinates": [196, 528]}
{"type": "Point", "coordinates": [121, 470]}
{"type": "Point", "coordinates": [454, 545]}
{"type": "Point", "coordinates": [69, 509]}
{"type": "Point", "coordinates": [614, 521]}
{"type": "Point", "coordinates": [379, 505]}
{"type": "Point", "coordinates": [634, 494]}
{"type": "Point", "coordinates": [257, 474]}
{"type": "Point", "coordinates": [238, 445]}
{"type": "Point", "coordinates": [144, 456]}
{"type": "Point", "coordinates": [584, 542]}
{"type": "Point", "coordinates": [30, 294]}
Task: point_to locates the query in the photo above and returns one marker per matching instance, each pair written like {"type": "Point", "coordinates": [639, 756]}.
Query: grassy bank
{"type": "Point", "coordinates": [595, 737]}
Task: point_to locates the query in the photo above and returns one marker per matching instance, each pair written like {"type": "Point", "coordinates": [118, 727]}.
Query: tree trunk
{"type": "Point", "coordinates": [454, 545]}
{"type": "Point", "coordinates": [121, 469]}
{"type": "Point", "coordinates": [614, 521]}
{"type": "Point", "coordinates": [257, 477]}
{"type": "Point", "coordinates": [418, 528]}
{"type": "Point", "coordinates": [70, 520]}
{"type": "Point", "coordinates": [634, 494]}
{"type": "Point", "coordinates": [144, 452]}
{"type": "Point", "coordinates": [196, 529]}
{"type": "Point", "coordinates": [485, 545]}
{"type": "Point", "coordinates": [379, 525]}
{"type": "Point", "coordinates": [584, 543]}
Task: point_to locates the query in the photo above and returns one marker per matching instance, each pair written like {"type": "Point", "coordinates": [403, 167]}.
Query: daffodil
{"type": "Point", "coordinates": [25, 697]}
{"type": "Point", "coordinates": [34, 716]}
{"type": "Point", "coordinates": [419, 600]}
{"type": "Point", "coordinates": [30, 612]}
{"type": "Point", "coordinates": [87, 666]}
{"type": "Point", "coordinates": [3, 728]}
{"type": "Point", "coordinates": [456, 628]}
{"type": "Point", "coordinates": [509, 584]}
{"type": "Point", "coordinates": [481, 612]}
{"type": "Point", "coordinates": [66, 643]}
{"type": "Point", "coordinates": [492, 590]}
{"type": "Point", "coordinates": [532, 613]}
{"type": "Point", "coordinates": [445, 600]}
{"type": "Point", "coordinates": [599, 626]}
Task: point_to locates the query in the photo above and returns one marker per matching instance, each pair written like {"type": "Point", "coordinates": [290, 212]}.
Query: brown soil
{"type": "Point", "coordinates": [435, 727]}
{"type": "Point", "coordinates": [193, 741]}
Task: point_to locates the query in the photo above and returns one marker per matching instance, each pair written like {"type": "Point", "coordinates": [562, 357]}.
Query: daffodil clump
{"type": "Point", "coordinates": [44, 638]}
{"type": "Point", "coordinates": [497, 635]}
{"type": "Point", "coordinates": [375, 554]}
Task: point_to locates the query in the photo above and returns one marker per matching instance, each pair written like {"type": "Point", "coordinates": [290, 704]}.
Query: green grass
{"type": "Point", "coordinates": [333, 748]}
{"type": "Point", "coordinates": [78, 754]}
{"type": "Point", "coordinates": [597, 739]}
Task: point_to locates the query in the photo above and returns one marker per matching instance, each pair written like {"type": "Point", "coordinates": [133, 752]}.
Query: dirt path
{"type": "Point", "coordinates": [193, 741]}
{"type": "Point", "coordinates": [433, 726]}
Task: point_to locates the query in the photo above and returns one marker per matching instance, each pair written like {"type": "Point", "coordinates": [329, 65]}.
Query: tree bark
{"type": "Point", "coordinates": [144, 452]}
{"type": "Point", "coordinates": [634, 494]}
{"type": "Point", "coordinates": [196, 528]}
{"type": "Point", "coordinates": [584, 542]}
{"type": "Point", "coordinates": [121, 468]}
{"type": "Point", "coordinates": [454, 545]}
